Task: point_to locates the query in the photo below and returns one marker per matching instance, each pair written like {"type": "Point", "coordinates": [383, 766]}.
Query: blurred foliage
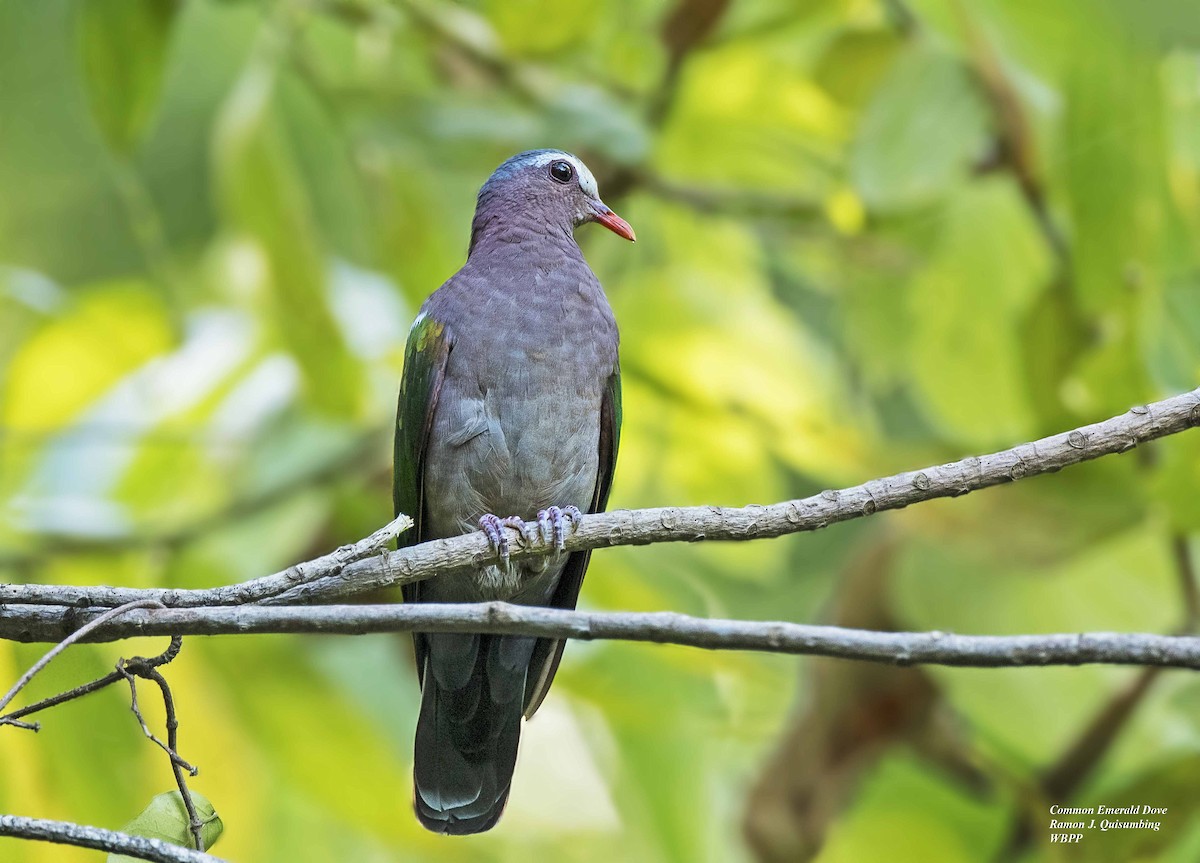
{"type": "Point", "coordinates": [873, 236]}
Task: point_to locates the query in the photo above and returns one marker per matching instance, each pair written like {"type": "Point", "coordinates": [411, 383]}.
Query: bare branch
{"type": "Point", "coordinates": [66, 833]}
{"type": "Point", "coordinates": [254, 590]}
{"type": "Point", "coordinates": [363, 566]}
{"type": "Point", "coordinates": [900, 648]}
{"type": "Point", "coordinates": [37, 612]}
{"type": "Point", "coordinates": [690, 524]}
{"type": "Point", "coordinates": [53, 613]}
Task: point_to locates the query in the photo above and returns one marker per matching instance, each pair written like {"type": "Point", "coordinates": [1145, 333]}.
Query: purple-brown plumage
{"type": "Point", "coordinates": [509, 406]}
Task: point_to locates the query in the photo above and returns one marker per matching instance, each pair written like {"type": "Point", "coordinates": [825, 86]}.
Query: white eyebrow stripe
{"type": "Point", "coordinates": [586, 181]}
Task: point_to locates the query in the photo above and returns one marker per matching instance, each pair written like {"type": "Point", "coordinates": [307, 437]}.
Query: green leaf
{"type": "Point", "coordinates": [123, 47]}
{"type": "Point", "coordinates": [919, 133]}
{"type": "Point", "coordinates": [1174, 481]}
{"type": "Point", "coordinates": [1126, 582]}
{"type": "Point", "coordinates": [554, 32]}
{"type": "Point", "coordinates": [1112, 166]}
{"type": "Point", "coordinates": [741, 113]}
{"type": "Point", "coordinates": [60, 212]}
{"type": "Point", "coordinates": [662, 788]}
{"type": "Point", "coordinates": [1160, 23]}
{"type": "Point", "coordinates": [967, 305]}
{"type": "Point", "coordinates": [166, 818]}
{"type": "Point", "coordinates": [1053, 334]}
{"type": "Point", "coordinates": [852, 66]}
{"type": "Point", "coordinates": [1171, 334]}
{"type": "Point", "coordinates": [907, 811]}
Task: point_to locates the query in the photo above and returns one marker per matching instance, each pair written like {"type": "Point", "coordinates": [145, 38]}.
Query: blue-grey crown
{"type": "Point", "coordinates": [515, 164]}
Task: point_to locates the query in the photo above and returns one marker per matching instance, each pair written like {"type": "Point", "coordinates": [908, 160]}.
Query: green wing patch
{"type": "Point", "coordinates": [424, 370]}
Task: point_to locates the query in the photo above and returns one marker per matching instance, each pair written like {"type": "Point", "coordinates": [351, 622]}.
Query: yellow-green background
{"type": "Point", "coordinates": [872, 236]}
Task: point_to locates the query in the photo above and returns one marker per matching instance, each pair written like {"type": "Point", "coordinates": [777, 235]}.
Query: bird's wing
{"type": "Point", "coordinates": [548, 651]}
{"type": "Point", "coordinates": [425, 356]}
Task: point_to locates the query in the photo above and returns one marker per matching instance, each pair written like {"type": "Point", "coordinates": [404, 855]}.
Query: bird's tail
{"type": "Point", "coordinates": [473, 687]}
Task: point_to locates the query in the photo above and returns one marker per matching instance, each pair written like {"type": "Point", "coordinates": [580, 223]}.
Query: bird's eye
{"type": "Point", "coordinates": [561, 171]}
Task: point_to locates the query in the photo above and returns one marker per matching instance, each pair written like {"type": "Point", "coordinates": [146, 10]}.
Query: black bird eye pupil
{"type": "Point", "coordinates": [562, 171]}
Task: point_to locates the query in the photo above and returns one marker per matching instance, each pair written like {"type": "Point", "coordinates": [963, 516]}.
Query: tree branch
{"type": "Point", "coordinates": [66, 833]}
{"type": "Point", "coordinates": [364, 567]}
{"type": "Point", "coordinates": [38, 623]}
{"type": "Point", "coordinates": [255, 590]}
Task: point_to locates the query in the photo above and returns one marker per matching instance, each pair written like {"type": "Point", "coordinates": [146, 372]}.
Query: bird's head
{"type": "Point", "coordinates": [550, 188]}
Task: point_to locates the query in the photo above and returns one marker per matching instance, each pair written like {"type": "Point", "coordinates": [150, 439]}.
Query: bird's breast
{"type": "Point", "coordinates": [517, 424]}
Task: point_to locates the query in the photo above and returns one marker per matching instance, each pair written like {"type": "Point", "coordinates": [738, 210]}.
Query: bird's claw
{"type": "Point", "coordinates": [493, 527]}
{"type": "Point", "coordinates": [552, 524]}
{"type": "Point", "coordinates": [551, 529]}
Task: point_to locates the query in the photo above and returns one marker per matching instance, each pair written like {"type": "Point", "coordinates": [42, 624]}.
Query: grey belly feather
{"type": "Point", "coordinates": [507, 455]}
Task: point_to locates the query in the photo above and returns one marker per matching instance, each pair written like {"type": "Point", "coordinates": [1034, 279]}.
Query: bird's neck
{"type": "Point", "coordinates": [502, 224]}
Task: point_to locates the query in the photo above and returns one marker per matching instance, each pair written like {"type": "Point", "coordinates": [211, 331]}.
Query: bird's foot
{"type": "Point", "coordinates": [493, 527]}
{"type": "Point", "coordinates": [552, 524]}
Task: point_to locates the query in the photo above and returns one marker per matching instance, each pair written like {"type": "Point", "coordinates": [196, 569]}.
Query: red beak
{"type": "Point", "coordinates": [613, 222]}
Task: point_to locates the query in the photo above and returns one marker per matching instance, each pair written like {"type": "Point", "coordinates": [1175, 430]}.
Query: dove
{"type": "Point", "coordinates": [509, 412]}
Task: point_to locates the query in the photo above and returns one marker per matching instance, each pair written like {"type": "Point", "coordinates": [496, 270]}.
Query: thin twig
{"type": "Point", "coordinates": [134, 668]}
{"type": "Point", "coordinates": [178, 765]}
{"type": "Point", "coordinates": [66, 833]}
{"type": "Point", "coordinates": [54, 700]}
{"type": "Point", "coordinates": [75, 636]}
{"type": "Point", "coordinates": [150, 674]}
{"type": "Point", "coordinates": [86, 688]}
